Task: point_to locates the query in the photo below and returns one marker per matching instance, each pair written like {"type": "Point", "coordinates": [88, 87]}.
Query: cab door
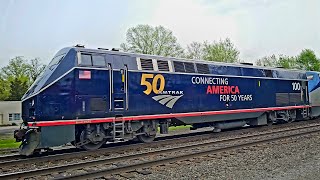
{"type": "Point", "coordinates": [118, 78]}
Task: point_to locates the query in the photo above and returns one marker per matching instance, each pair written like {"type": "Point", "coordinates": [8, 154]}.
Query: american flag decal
{"type": "Point", "coordinates": [84, 74]}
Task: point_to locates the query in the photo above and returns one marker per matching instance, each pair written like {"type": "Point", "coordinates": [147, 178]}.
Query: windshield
{"type": "Point", "coordinates": [52, 65]}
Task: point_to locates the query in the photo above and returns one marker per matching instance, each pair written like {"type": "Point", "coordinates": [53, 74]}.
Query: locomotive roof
{"type": "Point", "coordinates": [147, 56]}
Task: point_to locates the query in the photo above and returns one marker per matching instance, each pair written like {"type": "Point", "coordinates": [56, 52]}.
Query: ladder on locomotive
{"type": "Point", "coordinates": [118, 129]}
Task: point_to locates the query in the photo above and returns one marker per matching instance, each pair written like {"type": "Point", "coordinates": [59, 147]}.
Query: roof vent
{"type": "Point", "coordinates": [114, 49]}
{"type": "Point", "coordinates": [103, 49]}
{"type": "Point", "coordinates": [79, 45]}
{"type": "Point", "coordinates": [248, 64]}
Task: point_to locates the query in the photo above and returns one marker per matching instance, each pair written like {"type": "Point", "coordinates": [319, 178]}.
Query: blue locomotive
{"type": "Point", "coordinates": [90, 96]}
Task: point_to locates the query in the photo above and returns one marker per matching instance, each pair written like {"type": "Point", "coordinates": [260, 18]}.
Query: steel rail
{"type": "Point", "coordinates": [79, 165]}
{"type": "Point", "coordinates": [18, 159]}
{"type": "Point", "coordinates": [134, 167]}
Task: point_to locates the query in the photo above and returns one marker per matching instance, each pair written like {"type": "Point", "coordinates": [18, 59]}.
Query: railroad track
{"type": "Point", "coordinates": [12, 159]}
{"type": "Point", "coordinates": [64, 154]}
{"type": "Point", "coordinates": [129, 162]}
{"type": "Point", "coordinates": [15, 159]}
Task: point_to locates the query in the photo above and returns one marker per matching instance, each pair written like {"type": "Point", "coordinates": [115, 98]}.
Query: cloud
{"type": "Point", "coordinates": [257, 28]}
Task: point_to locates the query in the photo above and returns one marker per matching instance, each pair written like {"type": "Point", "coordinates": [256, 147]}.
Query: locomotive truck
{"type": "Point", "coordinates": [88, 97]}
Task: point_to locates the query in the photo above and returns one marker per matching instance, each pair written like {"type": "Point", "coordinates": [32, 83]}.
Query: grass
{"type": "Point", "coordinates": [175, 128]}
{"type": "Point", "coordinates": [8, 143]}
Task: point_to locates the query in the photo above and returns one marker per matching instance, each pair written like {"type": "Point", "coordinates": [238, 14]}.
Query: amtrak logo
{"type": "Point", "coordinates": [167, 99]}
{"type": "Point", "coordinates": [157, 86]}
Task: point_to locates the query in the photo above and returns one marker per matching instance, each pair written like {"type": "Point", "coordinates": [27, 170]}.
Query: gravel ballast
{"type": "Point", "coordinates": [294, 158]}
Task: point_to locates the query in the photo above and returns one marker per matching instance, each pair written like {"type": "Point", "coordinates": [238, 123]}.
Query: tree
{"type": "Point", "coordinates": [222, 51]}
{"type": "Point", "coordinates": [287, 62]}
{"type": "Point", "coordinates": [195, 51]}
{"type": "Point", "coordinates": [268, 61]}
{"type": "Point", "coordinates": [18, 86]}
{"type": "Point", "coordinates": [307, 60]}
{"type": "Point", "coordinates": [157, 40]}
{"type": "Point", "coordinates": [35, 68]}
{"type": "Point", "coordinates": [4, 88]}
{"type": "Point", "coordinates": [17, 76]}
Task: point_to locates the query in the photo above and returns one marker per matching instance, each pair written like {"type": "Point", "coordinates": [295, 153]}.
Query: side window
{"type": "Point", "coordinates": [98, 60]}
{"type": "Point", "coordinates": [10, 117]}
{"type": "Point", "coordinates": [16, 116]}
{"type": "Point", "coordinates": [85, 60]}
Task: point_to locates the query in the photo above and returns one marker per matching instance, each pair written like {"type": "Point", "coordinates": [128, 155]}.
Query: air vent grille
{"type": "Point", "coordinates": [146, 64]}
{"type": "Point", "coordinates": [163, 65]}
{"type": "Point", "coordinates": [189, 67]}
{"type": "Point", "coordinates": [203, 68]}
{"type": "Point", "coordinates": [178, 66]}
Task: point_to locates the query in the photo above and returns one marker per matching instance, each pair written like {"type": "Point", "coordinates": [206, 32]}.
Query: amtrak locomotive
{"type": "Point", "coordinates": [88, 97]}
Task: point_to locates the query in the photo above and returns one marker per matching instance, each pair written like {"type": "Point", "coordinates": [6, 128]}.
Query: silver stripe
{"type": "Point", "coordinates": [173, 101]}
{"type": "Point", "coordinates": [157, 98]}
{"type": "Point", "coordinates": [165, 100]}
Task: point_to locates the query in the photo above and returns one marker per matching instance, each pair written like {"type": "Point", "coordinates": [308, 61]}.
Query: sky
{"type": "Point", "coordinates": [37, 28]}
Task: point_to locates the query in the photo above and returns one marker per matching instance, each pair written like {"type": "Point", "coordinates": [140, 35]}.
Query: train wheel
{"type": "Point", "coordinates": [146, 138]}
{"type": "Point", "coordinates": [93, 142]}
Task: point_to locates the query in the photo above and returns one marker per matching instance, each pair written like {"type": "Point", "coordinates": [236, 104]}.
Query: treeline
{"type": "Point", "coordinates": [158, 40]}
{"type": "Point", "coordinates": [161, 41]}
{"type": "Point", "coordinates": [19, 74]}
{"type": "Point", "coordinates": [306, 60]}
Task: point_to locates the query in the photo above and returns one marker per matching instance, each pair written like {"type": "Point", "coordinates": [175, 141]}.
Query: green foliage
{"type": "Point", "coordinates": [35, 68]}
{"type": "Point", "coordinates": [157, 40]}
{"type": "Point", "coordinates": [287, 62]}
{"type": "Point", "coordinates": [222, 51]}
{"type": "Point", "coordinates": [195, 51]}
{"type": "Point", "coordinates": [16, 77]}
{"type": "Point", "coordinates": [268, 61]}
{"type": "Point", "coordinates": [18, 86]}
{"type": "Point", "coordinates": [307, 60]}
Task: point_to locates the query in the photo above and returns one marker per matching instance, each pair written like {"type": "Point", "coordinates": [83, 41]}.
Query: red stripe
{"type": "Point", "coordinates": [159, 116]}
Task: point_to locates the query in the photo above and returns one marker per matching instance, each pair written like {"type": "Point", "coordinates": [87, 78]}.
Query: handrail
{"type": "Point", "coordinates": [110, 85]}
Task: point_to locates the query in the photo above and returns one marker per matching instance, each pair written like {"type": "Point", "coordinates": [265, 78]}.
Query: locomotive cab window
{"type": "Point", "coordinates": [85, 60]}
{"type": "Point", "coordinates": [98, 60]}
